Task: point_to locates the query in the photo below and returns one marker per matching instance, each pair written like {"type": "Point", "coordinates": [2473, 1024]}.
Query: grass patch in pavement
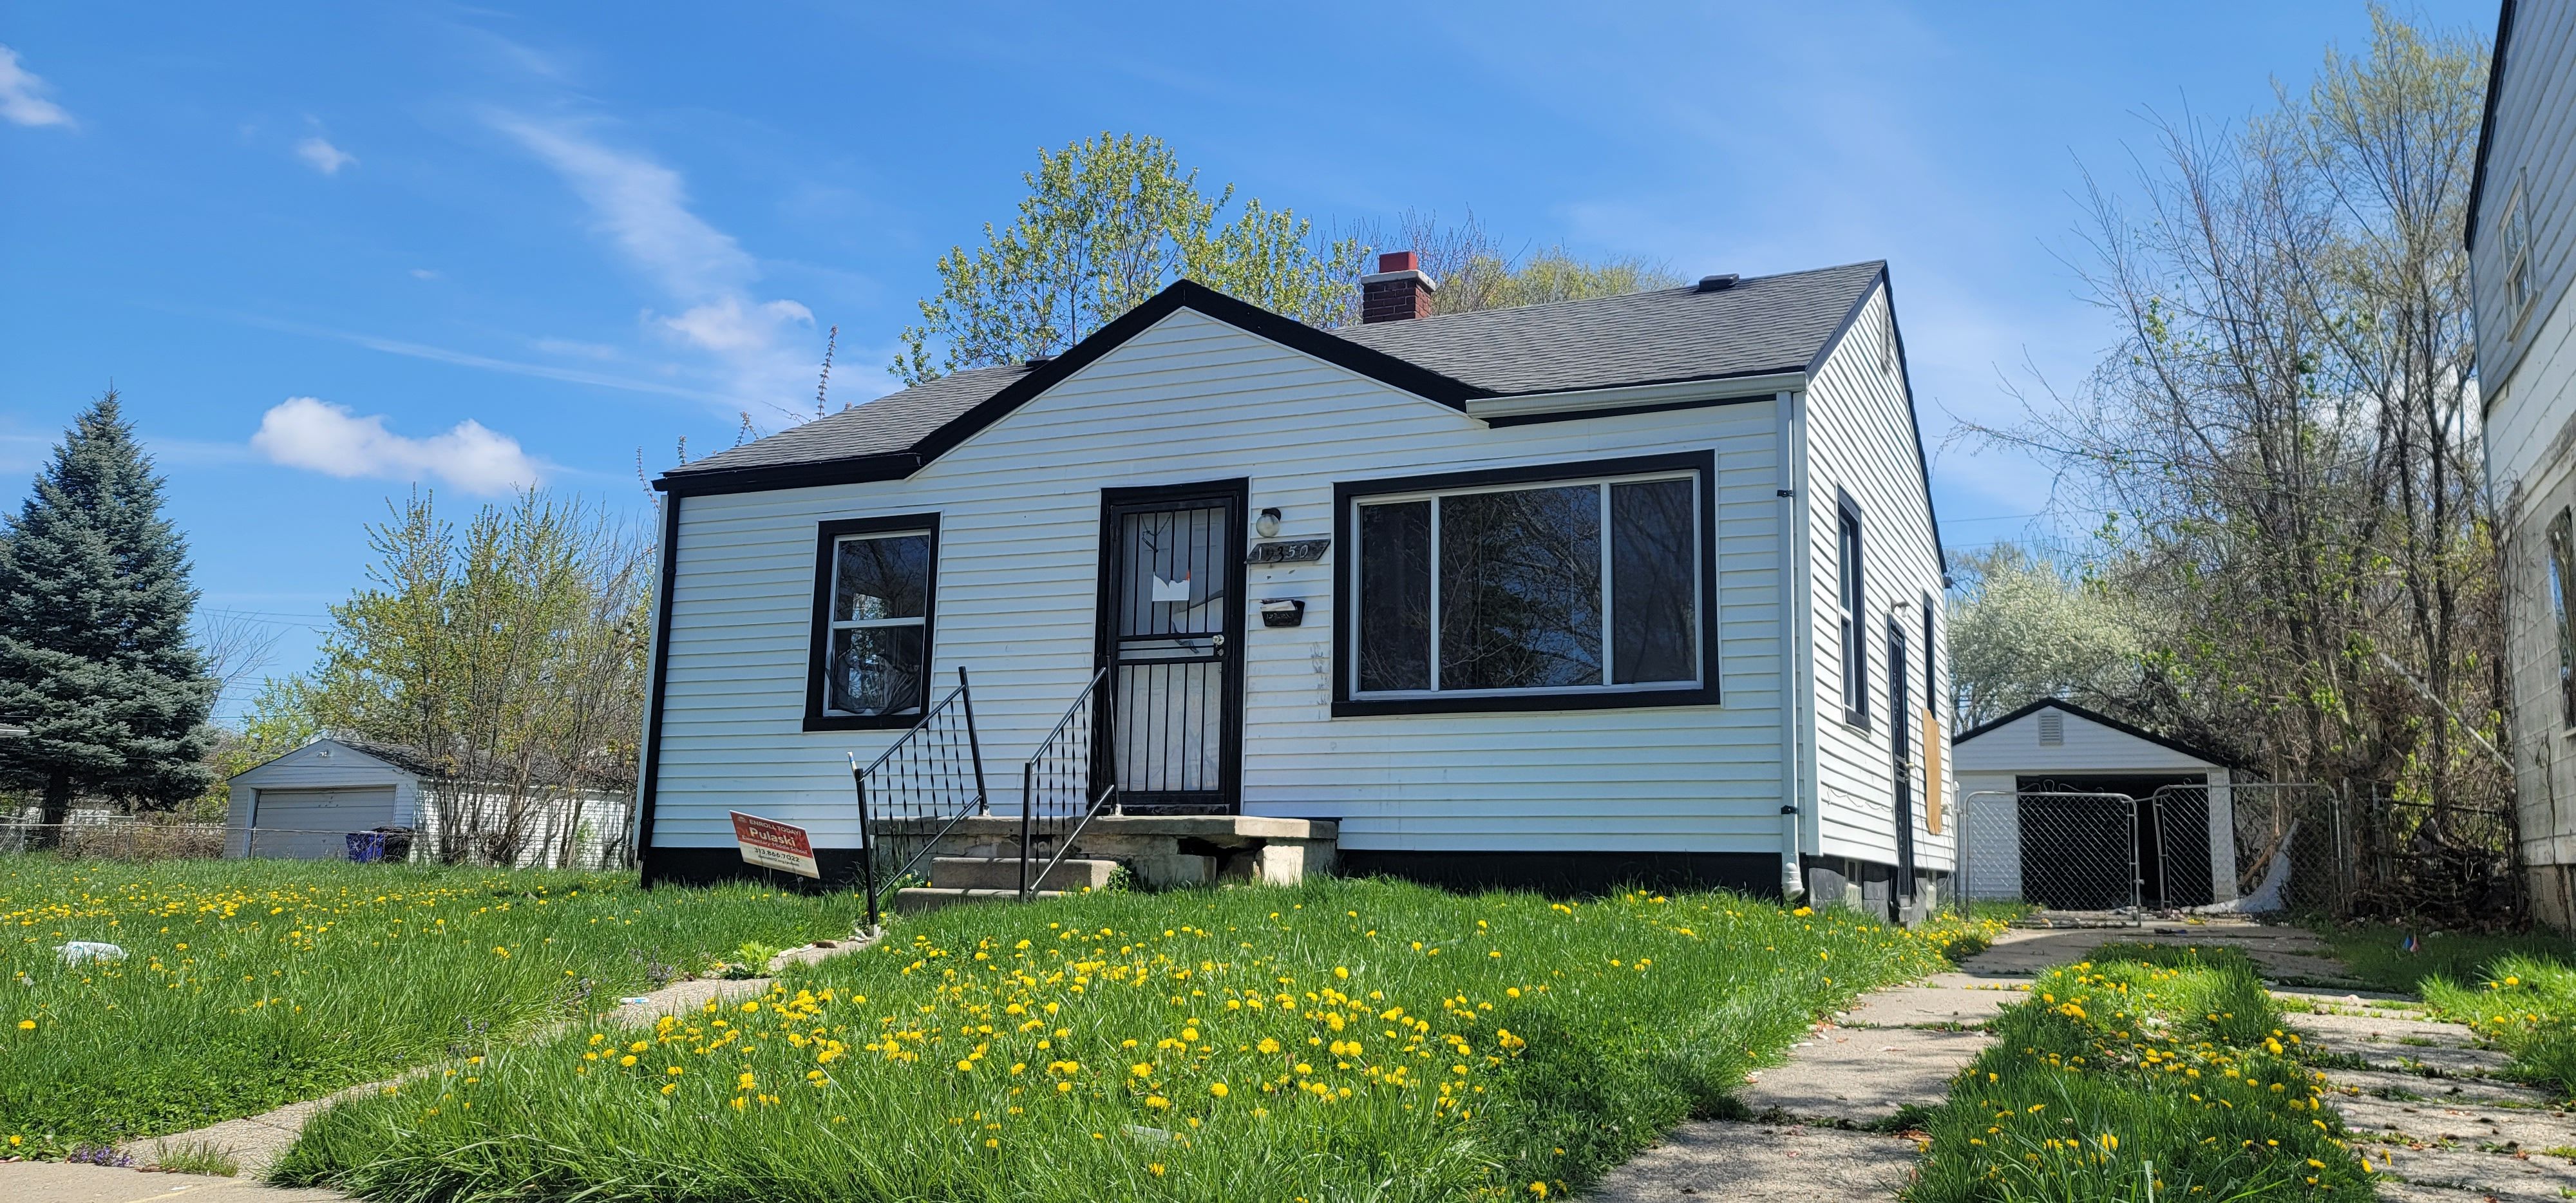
{"type": "Point", "coordinates": [247, 985]}
{"type": "Point", "coordinates": [1337, 1040]}
{"type": "Point", "coordinates": [2376, 953]}
{"type": "Point", "coordinates": [2526, 1005]}
{"type": "Point", "coordinates": [2148, 1071]}
{"type": "Point", "coordinates": [2517, 990]}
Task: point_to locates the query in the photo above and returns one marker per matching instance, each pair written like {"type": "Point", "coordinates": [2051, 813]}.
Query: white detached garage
{"type": "Point", "coordinates": [2066, 808]}
{"type": "Point", "coordinates": [301, 806]}
{"type": "Point", "coordinates": [304, 805]}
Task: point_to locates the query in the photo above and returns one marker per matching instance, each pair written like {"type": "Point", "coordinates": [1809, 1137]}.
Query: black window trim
{"type": "Point", "coordinates": [1852, 613]}
{"type": "Point", "coordinates": [1932, 699]}
{"type": "Point", "coordinates": [2558, 551]}
{"type": "Point", "coordinates": [1346, 494]}
{"type": "Point", "coordinates": [818, 636]}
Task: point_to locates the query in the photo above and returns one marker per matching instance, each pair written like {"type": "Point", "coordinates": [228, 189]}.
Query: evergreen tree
{"type": "Point", "coordinates": [95, 654]}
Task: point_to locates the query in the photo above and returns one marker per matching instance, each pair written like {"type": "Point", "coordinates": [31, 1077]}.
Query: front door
{"type": "Point", "coordinates": [1171, 633]}
{"type": "Point", "coordinates": [1900, 733]}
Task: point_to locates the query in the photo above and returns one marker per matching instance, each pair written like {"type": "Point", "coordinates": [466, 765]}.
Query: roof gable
{"type": "Point", "coordinates": [2097, 718]}
{"type": "Point", "coordinates": [331, 748]}
{"type": "Point", "coordinates": [1766, 324]}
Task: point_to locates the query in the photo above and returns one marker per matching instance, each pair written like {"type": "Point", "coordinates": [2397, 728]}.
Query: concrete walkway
{"type": "Point", "coordinates": [255, 1142]}
{"type": "Point", "coordinates": [1830, 1122]}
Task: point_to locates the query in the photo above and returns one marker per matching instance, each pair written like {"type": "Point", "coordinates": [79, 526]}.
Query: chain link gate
{"type": "Point", "coordinates": [2293, 848]}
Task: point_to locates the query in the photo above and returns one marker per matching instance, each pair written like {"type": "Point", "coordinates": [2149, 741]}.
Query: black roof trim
{"type": "Point", "coordinates": [2486, 124]}
{"type": "Point", "coordinates": [1905, 377]}
{"type": "Point", "coordinates": [1183, 294]}
{"type": "Point", "coordinates": [2095, 716]}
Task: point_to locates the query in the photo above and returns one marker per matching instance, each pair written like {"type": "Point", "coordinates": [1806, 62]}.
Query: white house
{"type": "Point", "coordinates": [2522, 255]}
{"type": "Point", "coordinates": [1636, 588]}
{"type": "Point", "coordinates": [2062, 804]}
{"type": "Point", "coordinates": [304, 804]}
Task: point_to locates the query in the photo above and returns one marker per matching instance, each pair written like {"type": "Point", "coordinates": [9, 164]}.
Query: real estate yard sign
{"type": "Point", "coordinates": [774, 845]}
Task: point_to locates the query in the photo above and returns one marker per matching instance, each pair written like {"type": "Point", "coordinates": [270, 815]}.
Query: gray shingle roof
{"type": "Point", "coordinates": [1763, 324]}
{"type": "Point", "coordinates": [889, 425]}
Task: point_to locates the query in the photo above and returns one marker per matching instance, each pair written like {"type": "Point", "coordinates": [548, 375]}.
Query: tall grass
{"type": "Point", "coordinates": [250, 984]}
{"type": "Point", "coordinates": [2146, 1073]}
{"type": "Point", "coordinates": [1340, 1040]}
{"type": "Point", "coordinates": [2526, 1005]}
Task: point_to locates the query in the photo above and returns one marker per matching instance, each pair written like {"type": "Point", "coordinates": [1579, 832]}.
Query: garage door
{"type": "Point", "coordinates": [311, 824]}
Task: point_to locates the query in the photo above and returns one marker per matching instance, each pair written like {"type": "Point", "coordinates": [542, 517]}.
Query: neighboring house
{"type": "Point", "coordinates": [304, 804]}
{"type": "Point", "coordinates": [1728, 688]}
{"type": "Point", "coordinates": [2062, 804]}
{"type": "Point", "coordinates": [2522, 255]}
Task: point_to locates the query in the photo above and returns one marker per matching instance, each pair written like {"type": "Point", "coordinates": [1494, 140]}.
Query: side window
{"type": "Point", "coordinates": [2516, 229]}
{"type": "Point", "coordinates": [1931, 660]}
{"type": "Point", "coordinates": [872, 614]}
{"type": "Point", "coordinates": [2562, 567]}
{"type": "Point", "coordinates": [1850, 605]}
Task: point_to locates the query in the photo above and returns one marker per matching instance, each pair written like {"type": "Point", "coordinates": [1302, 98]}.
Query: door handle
{"type": "Point", "coordinates": [1218, 640]}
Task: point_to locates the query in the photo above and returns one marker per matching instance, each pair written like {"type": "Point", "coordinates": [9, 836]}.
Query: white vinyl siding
{"type": "Point", "coordinates": [1862, 444]}
{"type": "Point", "coordinates": [1189, 400]}
{"type": "Point", "coordinates": [2527, 374]}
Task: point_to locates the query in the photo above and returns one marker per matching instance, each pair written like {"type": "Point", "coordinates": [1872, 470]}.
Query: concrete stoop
{"type": "Point", "coordinates": [978, 857]}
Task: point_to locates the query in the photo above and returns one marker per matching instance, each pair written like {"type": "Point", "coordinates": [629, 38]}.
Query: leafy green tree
{"type": "Point", "coordinates": [95, 654]}
{"type": "Point", "coordinates": [1476, 272]}
{"type": "Point", "coordinates": [511, 653]}
{"type": "Point", "coordinates": [1108, 222]}
{"type": "Point", "coordinates": [2021, 630]}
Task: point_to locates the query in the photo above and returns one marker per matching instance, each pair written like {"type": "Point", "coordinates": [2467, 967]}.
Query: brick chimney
{"type": "Point", "coordinates": [1398, 291]}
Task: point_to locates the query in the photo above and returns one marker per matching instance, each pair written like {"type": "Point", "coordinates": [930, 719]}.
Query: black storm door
{"type": "Point", "coordinates": [1172, 634]}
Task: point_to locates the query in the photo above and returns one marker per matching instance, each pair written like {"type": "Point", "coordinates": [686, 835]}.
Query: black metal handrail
{"type": "Point", "coordinates": [1064, 783]}
{"type": "Point", "coordinates": [918, 791]}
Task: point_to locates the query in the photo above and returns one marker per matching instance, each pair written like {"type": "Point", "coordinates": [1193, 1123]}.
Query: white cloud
{"type": "Point", "coordinates": [642, 207]}
{"type": "Point", "coordinates": [323, 156]}
{"type": "Point", "coordinates": [726, 325]}
{"type": "Point", "coordinates": [423, 273]}
{"type": "Point", "coordinates": [22, 95]}
{"type": "Point", "coordinates": [307, 432]}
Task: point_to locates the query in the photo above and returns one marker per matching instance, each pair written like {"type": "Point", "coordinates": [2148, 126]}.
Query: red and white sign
{"type": "Point", "coordinates": [774, 845]}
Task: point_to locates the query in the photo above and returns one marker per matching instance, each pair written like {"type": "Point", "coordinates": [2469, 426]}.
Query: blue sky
{"type": "Point", "coordinates": [328, 251]}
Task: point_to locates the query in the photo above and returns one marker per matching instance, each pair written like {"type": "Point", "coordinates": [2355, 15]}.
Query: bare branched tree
{"type": "Point", "coordinates": [2285, 438]}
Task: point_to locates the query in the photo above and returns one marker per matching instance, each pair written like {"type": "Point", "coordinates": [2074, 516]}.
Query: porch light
{"type": "Point", "coordinates": [1267, 525]}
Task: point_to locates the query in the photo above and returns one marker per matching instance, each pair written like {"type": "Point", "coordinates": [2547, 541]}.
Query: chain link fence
{"type": "Point", "coordinates": [2264, 848]}
{"type": "Point", "coordinates": [123, 839]}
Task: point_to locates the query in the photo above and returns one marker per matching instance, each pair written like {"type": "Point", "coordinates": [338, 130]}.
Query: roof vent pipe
{"type": "Point", "coordinates": [1398, 291]}
{"type": "Point", "coordinates": [1716, 283]}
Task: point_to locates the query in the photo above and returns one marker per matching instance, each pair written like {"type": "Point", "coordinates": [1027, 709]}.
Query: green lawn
{"type": "Point", "coordinates": [1340, 1040]}
{"type": "Point", "coordinates": [2145, 1073]}
{"type": "Point", "coordinates": [251, 984]}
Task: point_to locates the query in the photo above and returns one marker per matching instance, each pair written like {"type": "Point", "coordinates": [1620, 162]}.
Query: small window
{"type": "Point", "coordinates": [872, 621]}
{"type": "Point", "coordinates": [1850, 603]}
{"type": "Point", "coordinates": [2516, 228]}
{"type": "Point", "coordinates": [2052, 729]}
{"type": "Point", "coordinates": [1529, 587]}
{"type": "Point", "coordinates": [2562, 567]}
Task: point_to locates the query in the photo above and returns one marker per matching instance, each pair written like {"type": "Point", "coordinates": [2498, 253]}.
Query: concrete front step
{"type": "Point", "coordinates": [1003, 873]}
{"type": "Point", "coordinates": [1164, 851]}
{"type": "Point", "coordinates": [917, 899]}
